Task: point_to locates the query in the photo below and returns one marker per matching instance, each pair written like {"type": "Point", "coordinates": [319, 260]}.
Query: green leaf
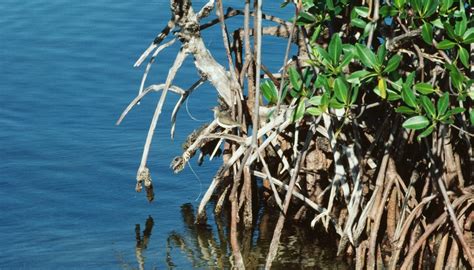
{"type": "Point", "coordinates": [472, 117]}
{"type": "Point", "coordinates": [269, 91]}
{"type": "Point", "coordinates": [299, 112]}
{"type": "Point", "coordinates": [355, 94]}
{"type": "Point", "coordinates": [408, 97]}
{"type": "Point", "coordinates": [416, 122]}
{"type": "Point", "coordinates": [330, 4]}
{"type": "Point", "coordinates": [362, 11]}
{"type": "Point", "coordinates": [445, 5]}
{"type": "Point", "coordinates": [358, 22]}
{"type": "Point", "coordinates": [428, 106]}
{"type": "Point", "coordinates": [405, 110]}
{"type": "Point", "coordinates": [316, 100]}
{"type": "Point", "coordinates": [443, 104]}
{"type": "Point", "coordinates": [314, 111]}
{"type": "Point", "coordinates": [468, 36]}
{"type": "Point", "coordinates": [324, 56]}
{"type": "Point", "coordinates": [335, 48]}
{"type": "Point", "coordinates": [456, 110]}
{"type": "Point", "coordinates": [321, 82]}
{"type": "Point", "coordinates": [427, 33]}
{"type": "Point", "coordinates": [399, 3]}
{"type": "Point", "coordinates": [333, 103]}
{"type": "Point", "coordinates": [294, 78]}
{"type": "Point", "coordinates": [410, 79]}
{"type": "Point", "coordinates": [386, 11]}
{"type": "Point", "coordinates": [340, 90]}
{"type": "Point", "coordinates": [346, 60]}
{"type": "Point", "coordinates": [456, 78]}
{"type": "Point", "coordinates": [461, 26]}
{"type": "Point", "coordinates": [446, 44]}
{"type": "Point", "coordinates": [393, 63]}
{"type": "Point", "coordinates": [366, 56]}
{"type": "Point", "coordinates": [429, 7]}
{"type": "Point", "coordinates": [425, 132]}
{"type": "Point", "coordinates": [463, 55]}
{"type": "Point", "coordinates": [424, 88]}
{"type": "Point", "coordinates": [449, 30]}
{"type": "Point", "coordinates": [381, 52]}
{"type": "Point", "coordinates": [357, 76]}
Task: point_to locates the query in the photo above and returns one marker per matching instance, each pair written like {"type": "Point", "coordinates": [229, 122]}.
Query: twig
{"type": "Point", "coordinates": [281, 219]}
{"type": "Point", "coordinates": [441, 184]}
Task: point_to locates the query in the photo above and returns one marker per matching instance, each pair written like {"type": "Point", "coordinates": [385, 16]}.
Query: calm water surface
{"type": "Point", "coordinates": [67, 196]}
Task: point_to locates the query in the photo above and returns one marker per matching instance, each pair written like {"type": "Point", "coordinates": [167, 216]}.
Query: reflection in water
{"type": "Point", "coordinates": [142, 242]}
{"type": "Point", "coordinates": [205, 249]}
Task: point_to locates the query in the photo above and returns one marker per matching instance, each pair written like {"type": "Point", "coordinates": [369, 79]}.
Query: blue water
{"type": "Point", "coordinates": [67, 173]}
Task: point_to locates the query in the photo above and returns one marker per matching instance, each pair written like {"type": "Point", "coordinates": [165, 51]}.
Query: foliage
{"type": "Point", "coordinates": [349, 67]}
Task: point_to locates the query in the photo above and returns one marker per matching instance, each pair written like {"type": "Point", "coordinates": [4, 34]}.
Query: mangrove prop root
{"type": "Point", "coordinates": [383, 196]}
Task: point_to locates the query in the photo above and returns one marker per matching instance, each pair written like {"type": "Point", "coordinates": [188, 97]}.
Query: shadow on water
{"type": "Point", "coordinates": [207, 247]}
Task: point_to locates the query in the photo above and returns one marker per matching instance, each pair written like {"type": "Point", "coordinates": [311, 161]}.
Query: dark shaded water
{"type": "Point", "coordinates": [67, 173]}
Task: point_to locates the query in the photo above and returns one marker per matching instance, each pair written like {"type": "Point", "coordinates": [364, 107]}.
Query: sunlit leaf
{"type": "Point", "coordinates": [295, 79]}
{"type": "Point", "coordinates": [340, 90]}
{"type": "Point", "coordinates": [314, 111]}
{"type": "Point", "coordinates": [427, 33]}
{"type": "Point", "coordinates": [424, 88]}
{"type": "Point", "coordinates": [408, 97]}
{"type": "Point", "coordinates": [446, 44]}
{"type": "Point", "coordinates": [425, 133]}
{"type": "Point", "coordinates": [357, 76]}
{"type": "Point", "coordinates": [428, 106]}
{"type": "Point", "coordinates": [463, 55]}
{"type": "Point", "coordinates": [382, 86]}
{"type": "Point", "coordinates": [366, 56]}
{"type": "Point", "coordinates": [443, 104]}
{"type": "Point", "coordinates": [416, 122]}
{"type": "Point", "coordinates": [269, 91]}
{"type": "Point", "coordinates": [316, 100]}
{"type": "Point", "coordinates": [393, 63]}
{"type": "Point", "coordinates": [335, 48]}
{"type": "Point", "coordinates": [405, 110]}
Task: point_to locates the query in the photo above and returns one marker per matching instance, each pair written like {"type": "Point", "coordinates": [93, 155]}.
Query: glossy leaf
{"type": "Point", "coordinates": [269, 91]}
{"type": "Point", "coordinates": [316, 100]}
{"type": "Point", "coordinates": [428, 106]}
{"type": "Point", "coordinates": [294, 78]}
{"type": "Point", "coordinates": [357, 76]}
{"type": "Point", "coordinates": [443, 104]}
{"type": "Point", "coordinates": [366, 56]}
{"type": "Point", "coordinates": [299, 112]}
{"type": "Point", "coordinates": [425, 133]}
{"type": "Point", "coordinates": [393, 63]}
{"type": "Point", "coordinates": [335, 48]}
{"type": "Point", "coordinates": [381, 52]}
{"type": "Point", "coordinates": [340, 90]}
{"type": "Point", "coordinates": [399, 3]}
{"type": "Point", "coordinates": [314, 111]}
{"type": "Point", "coordinates": [382, 86]}
{"type": "Point", "coordinates": [468, 36]}
{"type": "Point", "coordinates": [408, 97]}
{"type": "Point", "coordinates": [472, 117]}
{"type": "Point", "coordinates": [424, 88]}
{"type": "Point", "coordinates": [358, 22]}
{"type": "Point", "coordinates": [416, 122]}
{"type": "Point", "coordinates": [446, 44]}
{"type": "Point", "coordinates": [362, 11]}
{"type": "Point", "coordinates": [427, 33]}
{"type": "Point", "coordinates": [354, 94]}
{"type": "Point", "coordinates": [463, 55]}
{"type": "Point", "coordinates": [405, 110]}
